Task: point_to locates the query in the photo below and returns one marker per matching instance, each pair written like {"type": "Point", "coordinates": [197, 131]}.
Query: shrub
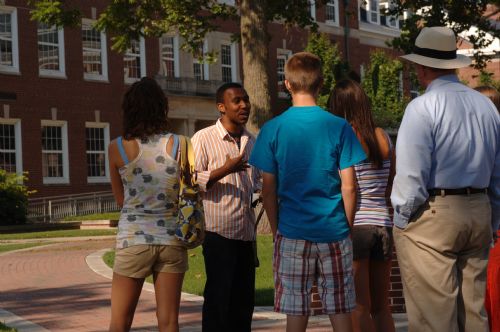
{"type": "Point", "coordinates": [13, 199]}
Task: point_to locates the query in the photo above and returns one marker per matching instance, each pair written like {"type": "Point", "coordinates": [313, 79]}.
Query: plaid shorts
{"type": "Point", "coordinates": [298, 263]}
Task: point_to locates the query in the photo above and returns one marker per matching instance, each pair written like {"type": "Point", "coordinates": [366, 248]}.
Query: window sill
{"type": "Point", "coordinates": [379, 29]}
{"type": "Point", "coordinates": [55, 181]}
{"type": "Point", "coordinates": [95, 78]}
{"type": "Point", "coordinates": [332, 24]}
{"type": "Point", "coordinates": [97, 180]}
{"type": "Point", "coordinates": [55, 75]}
{"type": "Point", "coordinates": [10, 71]}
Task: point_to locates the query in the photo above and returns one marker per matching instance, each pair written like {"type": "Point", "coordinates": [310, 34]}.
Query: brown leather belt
{"type": "Point", "coordinates": [458, 191]}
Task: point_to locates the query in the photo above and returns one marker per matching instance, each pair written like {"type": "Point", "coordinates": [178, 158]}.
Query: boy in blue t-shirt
{"type": "Point", "coordinates": [306, 155]}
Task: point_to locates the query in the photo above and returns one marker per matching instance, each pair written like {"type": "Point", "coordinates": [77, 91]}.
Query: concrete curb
{"type": "Point", "coordinates": [19, 323]}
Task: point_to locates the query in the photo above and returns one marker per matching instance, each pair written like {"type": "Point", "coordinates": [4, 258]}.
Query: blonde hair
{"type": "Point", "coordinates": [303, 72]}
{"type": "Point", "coordinates": [491, 93]}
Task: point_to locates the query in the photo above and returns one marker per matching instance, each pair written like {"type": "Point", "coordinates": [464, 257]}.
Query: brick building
{"type": "Point", "coordinates": [60, 90]}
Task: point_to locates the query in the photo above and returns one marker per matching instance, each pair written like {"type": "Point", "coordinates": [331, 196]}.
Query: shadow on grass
{"type": "Point", "coordinates": [264, 297]}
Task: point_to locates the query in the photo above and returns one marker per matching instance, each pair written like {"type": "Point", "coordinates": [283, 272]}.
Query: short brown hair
{"type": "Point", "coordinates": [303, 72]}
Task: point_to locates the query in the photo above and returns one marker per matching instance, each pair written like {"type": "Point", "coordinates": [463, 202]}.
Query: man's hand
{"type": "Point", "coordinates": [237, 164]}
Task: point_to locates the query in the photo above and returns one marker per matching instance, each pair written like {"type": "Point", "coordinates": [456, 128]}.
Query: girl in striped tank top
{"type": "Point", "coordinates": [145, 180]}
{"type": "Point", "coordinates": [372, 230]}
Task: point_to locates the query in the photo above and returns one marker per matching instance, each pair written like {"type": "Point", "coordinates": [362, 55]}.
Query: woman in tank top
{"type": "Point", "coordinates": [145, 181]}
{"type": "Point", "coordinates": [372, 230]}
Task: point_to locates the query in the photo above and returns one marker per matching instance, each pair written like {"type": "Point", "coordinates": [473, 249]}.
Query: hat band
{"type": "Point", "coordinates": [436, 54]}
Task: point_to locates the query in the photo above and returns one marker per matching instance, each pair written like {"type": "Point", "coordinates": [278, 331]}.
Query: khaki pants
{"type": "Point", "coordinates": [443, 254]}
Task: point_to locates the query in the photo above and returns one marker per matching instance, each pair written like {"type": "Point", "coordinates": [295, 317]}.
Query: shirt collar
{"type": "Point", "coordinates": [223, 133]}
{"type": "Point", "coordinates": [442, 80]}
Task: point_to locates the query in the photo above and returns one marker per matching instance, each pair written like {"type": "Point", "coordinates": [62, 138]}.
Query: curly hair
{"type": "Point", "coordinates": [145, 109]}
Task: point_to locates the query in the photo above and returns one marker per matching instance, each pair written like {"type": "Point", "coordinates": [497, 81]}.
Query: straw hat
{"type": "Point", "coordinates": [436, 47]}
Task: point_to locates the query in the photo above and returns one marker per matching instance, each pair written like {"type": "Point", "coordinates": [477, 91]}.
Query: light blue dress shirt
{"type": "Point", "coordinates": [449, 138]}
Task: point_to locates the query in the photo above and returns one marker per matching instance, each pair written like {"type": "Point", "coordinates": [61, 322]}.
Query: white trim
{"type": "Point", "coordinates": [142, 63]}
{"type": "Point", "coordinates": [282, 54]}
{"type": "Point", "coordinates": [104, 55]}
{"type": "Point", "coordinates": [61, 73]}
{"type": "Point", "coordinates": [335, 3]}
{"type": "Point", "coordinates": [312, 9]}
{"type": "Point", "coordinates": [65, 160]}
{"type": "Point", "coordinates": [232, 66]}
{"type": "Point", "coordinates": [205, 64]}
{"type": "Point", "coordinates": [175, 51]}
{"type": "Point", "coordinates": [105, 178]}
{"type": "Point", "coordinates": [18, 142]}
{"type": "Point", "coordinates": [15, 40]}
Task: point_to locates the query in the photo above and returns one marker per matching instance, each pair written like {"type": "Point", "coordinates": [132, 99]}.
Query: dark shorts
{"type": "Point", "coordinates": [372, 242]}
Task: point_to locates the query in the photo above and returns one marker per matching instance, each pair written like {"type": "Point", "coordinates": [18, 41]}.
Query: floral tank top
{"type": "Point", "coordinates": [151, 188]}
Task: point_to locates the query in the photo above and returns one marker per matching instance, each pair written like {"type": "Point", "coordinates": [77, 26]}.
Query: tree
{"type": "Point", "coordinates": [333, 67]}
{"type": "Point", "coordinates": [126, 20]}
{"type": "Point", "coordinates": [382, 85]}
{"type": "Point", "coordinates": [459, 15]}
{"type": "Point", "coordinates": [13, 198]}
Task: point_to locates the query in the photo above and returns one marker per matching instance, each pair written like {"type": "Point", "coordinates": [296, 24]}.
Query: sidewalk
{"type": "Point", "coordinates": [66, 287]}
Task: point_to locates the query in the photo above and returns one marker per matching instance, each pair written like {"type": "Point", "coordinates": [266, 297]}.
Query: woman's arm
{"type": "Point", "coordinates": [116, 180]}
{"type": "Point", "coordinates": [348, 188]}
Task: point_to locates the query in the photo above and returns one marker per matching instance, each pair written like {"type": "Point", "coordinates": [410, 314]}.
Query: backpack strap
{"type": "Point", "coordinates": [174, 152]}
{"type": "Point", "coordinates": [119, 143]}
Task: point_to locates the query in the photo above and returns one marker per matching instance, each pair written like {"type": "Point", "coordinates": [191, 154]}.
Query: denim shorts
{"type": "Point", "coordinates": [372, 242]}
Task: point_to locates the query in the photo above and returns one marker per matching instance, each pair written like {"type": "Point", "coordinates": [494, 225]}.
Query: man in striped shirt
{"type": "Point", "coordinates": [227, 183]}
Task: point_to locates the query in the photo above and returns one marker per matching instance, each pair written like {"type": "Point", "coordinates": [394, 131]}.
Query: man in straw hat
{"type": "Point", "coordinates": [446, 193]}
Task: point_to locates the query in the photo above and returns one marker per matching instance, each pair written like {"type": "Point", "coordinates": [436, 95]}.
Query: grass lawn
{"type": "Point", "coordinates": [15, 246]}
{"type": "Point", "coordinates": [194, 280]}
{"type": "Point", "coordinates": [5, 328]}
{"type": "Point", "coordinates": [59, 233]}
{"type": "Point", "coordinates": [97, 216]}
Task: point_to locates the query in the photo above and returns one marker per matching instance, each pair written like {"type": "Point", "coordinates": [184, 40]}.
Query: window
{"type": "Point", "coordinates": [95, 66]}
{"type": "Point", "coordinates": [282, 57]}
{"type": "Point", "coordinates": [50, 50]}
{"type": "Point", "coordinates": [227, 2]}
{"type": "Point", "coordinates": [312, 6]}
{"type": "Point", "coordinates": [228, 55]}
{"type": "Point", "coordinates": [169, 46]}
{"type": "Point", "coordinates": [97, 140]}
{"type": "Point", "coordinates": [9, 57]}
{"type": "Point", "coordinates": [135, 61]}
{"type": "Point", "coordinates": [200, 70]}
{"type": "Point", "coordinates": [54, 152]}
{"type": "Point", "coordinates": [332, 12]}
{"type": "Point", "coordinates": [373, 11]}
{"type": "Point", "coordinates": [10, 146]}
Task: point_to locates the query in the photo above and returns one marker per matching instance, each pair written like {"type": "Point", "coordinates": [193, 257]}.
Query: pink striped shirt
{"type": "Point", "coordinates": [227, 203]}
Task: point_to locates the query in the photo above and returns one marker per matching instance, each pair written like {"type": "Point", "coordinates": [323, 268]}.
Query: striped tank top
{"type": "Point", "coordinates": [151, 189]}
{"type": "Point", "coordinates": [372, 207]}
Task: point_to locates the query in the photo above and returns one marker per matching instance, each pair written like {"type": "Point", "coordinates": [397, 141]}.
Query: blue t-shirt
{"type": "Point", "coordinates": [305, 147]}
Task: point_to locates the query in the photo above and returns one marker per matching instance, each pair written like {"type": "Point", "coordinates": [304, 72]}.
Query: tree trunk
{"type": "Point", "coordinates": [254, 45]}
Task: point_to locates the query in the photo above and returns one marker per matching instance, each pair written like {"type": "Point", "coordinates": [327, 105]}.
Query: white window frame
{"type": "Point", "coordinates": [335, 4]}
{"type": "Point", "coordinates": [65, 160]}
{"type": "Point", "coordinates": [142, 62]}
{"type": "Point", "coordinates": [312, 9]}
{"type": "Point", "coordinates": [227, 2]}
{"type": "Point", "coordinates": [62, 63]}
{"type": "Point", "coordinates": [282, 54]}
{"type": "Point", "coordinates": [175, 46]}
{"type": "Point", "coordinates": [369, 11]}
{"type": "Point", "coordinates": [206, 68]}
{"type": "Point", "coordinates": [104, 56]}
{"type": "Point", "coordinates": [362, 72]}
{"type": "Point", "coordinates": [18, 144]}
{"type": "Point", "coordinates": [232, 46]}
{"type": "Point", "coordinates": [14, 69]}
{"type": "Point", "coordinates": [105, 126]}
{"type": "Point", "coordinates": [388, 18]}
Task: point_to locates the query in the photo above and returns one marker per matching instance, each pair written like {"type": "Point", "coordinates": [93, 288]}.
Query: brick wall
{"type": "Point", "coordinates": [396, 299]}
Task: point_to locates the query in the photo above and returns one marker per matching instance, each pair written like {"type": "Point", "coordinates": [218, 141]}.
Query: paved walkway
{"type": "Point", "coordinates": [55, 288]}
